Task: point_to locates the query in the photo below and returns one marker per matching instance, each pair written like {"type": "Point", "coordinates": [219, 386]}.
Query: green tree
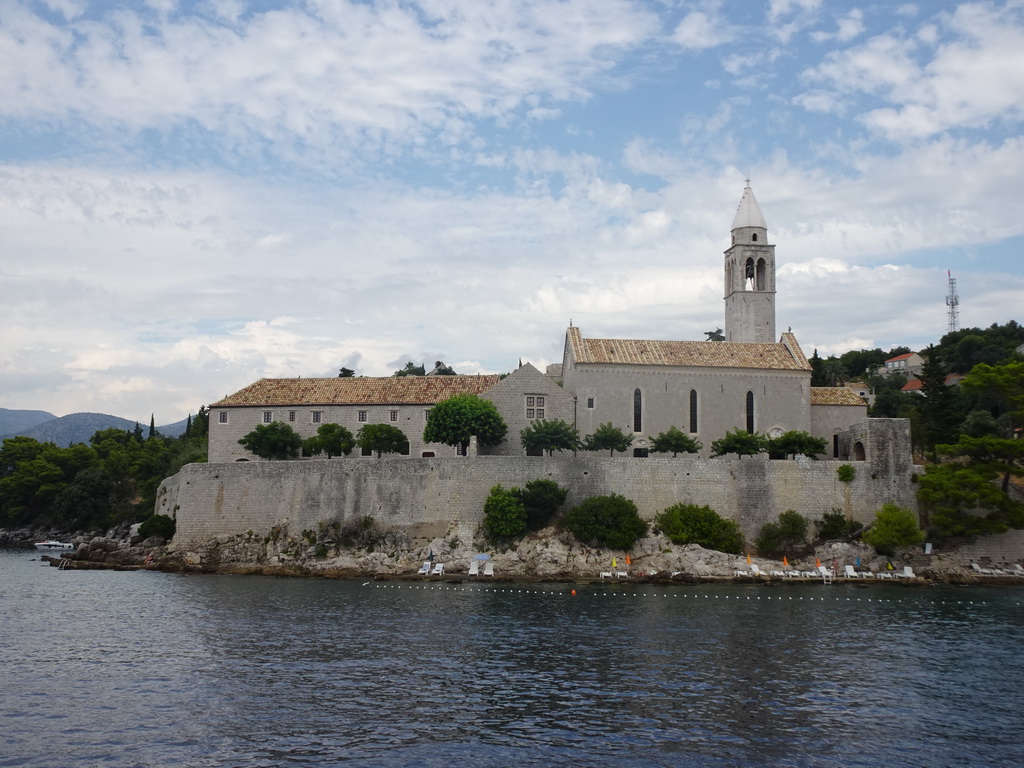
{"type": "Point", "coordinates": [411, 369]}
{"type": "Point", "coordinates": [786, 536]}
{"type": "Point", "coordinates": [937, 406]}
{"type": "Point", "coordinates": [605, 521]}
{"type": "Point", "coordinates": [953, 497]}
{"type": "Point", "coordinates": [740, 442]}
{"type": "Point", "coordinates": [381, 439]}
{"type": "Point", "coordinates": [542, 499]}
{"type": "Point", "coordinates": [794, 441]}
{"type": "Point", "coordinates": [272, 441]}
{"type": "Point", "coordinates": [818, 378]}
{"type": "Point", "coordinates": [504, 514]}
{"type": "Point", "coordinates": [158, 525]}
{"type": "Point", "coordinates": [332, 439]}
{"type": "Point", "coordinates": [693, 524]}
{"type": "Point", "coordinates": [550, 436]}
{"type": "Point", "coordinates": [674, 441]}
{"type": "Point", "coordinates": [455, 420]}
{"type": "Point", "coordinates": [835, 526]}
{"type": "Point", "coordinates": [834, 372]}
{"type": "Point", "coordinates": [346, 373]}
{"type": "Point", "coordinates": [608, 437]}
{"type": "Point", "coordinates": [442, 369]}
{"type": "Point", "coordinates": [1004, 382]}
{"type": "Point", "coordinates": [894, 526]}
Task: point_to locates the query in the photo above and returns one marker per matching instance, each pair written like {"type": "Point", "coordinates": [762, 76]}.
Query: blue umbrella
{"type": "Point", "coordinates": [482, 556]}
{"type": "Point", "coordinates": [858, 561]}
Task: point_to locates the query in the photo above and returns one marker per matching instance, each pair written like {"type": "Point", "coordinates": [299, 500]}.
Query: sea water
{"type": "Point", "coordinates": [104, 668]}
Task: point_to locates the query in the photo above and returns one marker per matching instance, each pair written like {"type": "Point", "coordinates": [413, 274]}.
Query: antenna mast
{"type": "Point", "coordinates": [953, 303]}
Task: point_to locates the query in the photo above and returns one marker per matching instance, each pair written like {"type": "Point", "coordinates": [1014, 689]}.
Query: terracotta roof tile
{"type": "Point", "coordinates": [835, 396]}
{"type": "Point", "coordinates": [710, 354]}
{"type": "Point", "coordinates": [363, 390]}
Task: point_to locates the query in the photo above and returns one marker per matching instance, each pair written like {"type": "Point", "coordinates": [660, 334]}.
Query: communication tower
{"type": "Point", "coordinates": [953, 305]}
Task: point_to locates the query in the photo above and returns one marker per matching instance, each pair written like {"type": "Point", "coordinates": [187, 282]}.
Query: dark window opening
{"type": "Point", "coordinates": [693, 410]}
{"type": "Point", "coordinates": [835, 446]}
{"type": "Point", "coordinates": [639, 453]}
{"type": "Point", "coordinates": [637, 408]}
{"type": "Point", "coordinates": [750, 412]}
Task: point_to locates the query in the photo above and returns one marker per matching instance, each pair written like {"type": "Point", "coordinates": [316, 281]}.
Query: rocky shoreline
{"type": "Point", "coordinates": [547, 556]}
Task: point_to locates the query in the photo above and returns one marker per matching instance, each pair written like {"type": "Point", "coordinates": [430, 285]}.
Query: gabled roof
{"type": "Point", "coordinates": [913, 385]}
{"type": "Point", "coordinates": [905, 356]}
{"type": "Point", "coordinates": [697, 354]}
{"type": "Point", "coordinates": [835, 396]}
{"type": "Point", "coordinates": [364, 390]}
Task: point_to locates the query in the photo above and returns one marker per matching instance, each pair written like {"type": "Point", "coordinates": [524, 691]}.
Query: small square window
{"type": "Point", "coordinates": [268, 416]}
{"type": "Point", "coordinates": [590, 402]}
{"type": "Point", "coordinates": [362, 416]}
{"type": "Point", "coordinates": [540, 413]}
{"type": "Point", "coordinates": [529, 413]}
{"type": "Point", "coordinates": [223, 417]}
{"type": "Point", "coordinates": [291, 415]}
{"type": "Point", "coordinates": [394, 415]}
{"type": "Point", "coordinates": [530, 401]}
{"type": "Point", "coordinates": [317, 416]}
{"type": "Point", "coordinates": [426, 414]}
{"type": "Point", "coordinates": [540, 402]}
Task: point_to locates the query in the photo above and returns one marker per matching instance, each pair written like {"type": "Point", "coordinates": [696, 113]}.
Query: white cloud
{"type": "Point", "coordinates": [699, 31]}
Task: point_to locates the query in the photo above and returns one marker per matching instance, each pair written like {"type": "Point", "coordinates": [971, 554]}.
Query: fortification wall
{"type": "Point", "coordinates": [427, 496]}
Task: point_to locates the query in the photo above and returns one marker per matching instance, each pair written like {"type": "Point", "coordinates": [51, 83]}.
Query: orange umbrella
{"type": "Point", "coordinates": [628, 561]}
{"type": "Point", "coordinates": [784, 560]}
{"type": "Point", "coordinates": [817, 562]}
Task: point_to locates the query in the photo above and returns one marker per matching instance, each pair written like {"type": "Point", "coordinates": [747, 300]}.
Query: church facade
{"type": "Point", "coordinates": [752, 380]}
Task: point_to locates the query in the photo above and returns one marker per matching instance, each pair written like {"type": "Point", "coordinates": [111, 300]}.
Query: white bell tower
{"type": "Point", "coordinates": [750, 276]}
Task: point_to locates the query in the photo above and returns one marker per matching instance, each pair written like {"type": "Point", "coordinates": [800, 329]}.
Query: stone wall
{"type": "Point", "coordinates": [427, 496]}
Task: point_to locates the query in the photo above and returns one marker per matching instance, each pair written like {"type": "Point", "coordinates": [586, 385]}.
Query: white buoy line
{"type": "Point", "coordinates": [571, 592]}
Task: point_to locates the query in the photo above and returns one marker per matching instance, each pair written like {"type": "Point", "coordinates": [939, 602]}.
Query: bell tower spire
{"type": "Point", "coordinates": [750, 276]}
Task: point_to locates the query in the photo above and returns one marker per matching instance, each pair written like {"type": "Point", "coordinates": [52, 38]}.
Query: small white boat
{"type": "Point", "coordinates": [51, 545]}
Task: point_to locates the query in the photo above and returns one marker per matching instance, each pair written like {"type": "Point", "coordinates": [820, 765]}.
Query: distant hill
{"type": "Point", "coordinates": [79, 427]}
{"type": "Point", "coordinates": [12, 422]}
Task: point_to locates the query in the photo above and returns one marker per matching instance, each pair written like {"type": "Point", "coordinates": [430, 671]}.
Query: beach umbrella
{"type": "Point", "coordinates": [482, 556]}
{"type": "Point", "coordinates": [817, 562]}
{"type": "Point", "coordinates": [858, 561]}
{"type": "Point", "coordinates": [614, 563]}
{"type": "Point", "coordinates": [784, 560]}
{"type": "Point", "coordinates": [628, 560]}
{"type": "Point", "coordinates": [748, 559]}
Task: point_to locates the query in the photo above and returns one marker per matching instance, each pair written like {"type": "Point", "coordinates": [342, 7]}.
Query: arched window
{"type": "Point", "coordinates": [637, 410]}
{"type": "Point", "coordinates": [750, 412]}
{"type": "Point", "coordinates": [693, 410]}
{"type": "Point", "coordinates": [858, 451]}
{"type": "Point", "coordinates": [754, 237]}
{"type": "Point", "coordinates": [835, 446]}
{"type": "Point", "coordinates": [762, 275]}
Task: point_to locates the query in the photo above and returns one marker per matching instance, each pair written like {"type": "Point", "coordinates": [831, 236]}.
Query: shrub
{"type": "Point", "coordinates": [504, 514]}
{"type": "Point", "coordinates": [542, 499]}
{"type": "Point", "coordinates": [846, 472]}
{"type": "Point", "coordinates": [158, 525]}
{"type": "Point", "coordinates": [835, 525]}
{"type": "Point", "coordinates": [893, 527]}
{"type": "Point", "coordinates": [690, 524]}
{"type": "Point", "coordinates": [787, 536]}
{"type": "Point", "coordinates": [611, 522]}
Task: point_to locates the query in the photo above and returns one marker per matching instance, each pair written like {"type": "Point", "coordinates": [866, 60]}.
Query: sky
{"type": "Point", "coordinates": [197, 195]}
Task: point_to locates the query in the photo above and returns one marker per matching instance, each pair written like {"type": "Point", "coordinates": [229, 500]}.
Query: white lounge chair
{"type": "Point", "coordinates": [978, 569]}
{"type": "Point", "coordinates": [826, 574]}
{"type": "Point", "coordinates": [908, 572]}
{"type": "Point", "coordinates": [851, 573]}
{"type": "Point", "coordinates": [438, 569]}
{"type": "Point", "coordinates": [425, 568]}
{"type": "Point", "coordinates": [754, 570]}
{"type": "Point", "coordinates": [1017, 570]}
{"type": "Point", "coordinates": [883, 575]}
{"type": "Point", "coordinates": [622, 574]}
{"type": "Point", "coordinates": [488, 568]}
{"type": "Point", "coordinates": [474, 568]}
{"type": "Point", "coordinates": [606, 574]}
{"type": "Point", "coordinates": [775, 574]}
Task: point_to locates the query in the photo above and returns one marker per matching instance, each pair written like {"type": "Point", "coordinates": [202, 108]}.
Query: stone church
{"type": "Point", "coordinates": [753, 380]}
